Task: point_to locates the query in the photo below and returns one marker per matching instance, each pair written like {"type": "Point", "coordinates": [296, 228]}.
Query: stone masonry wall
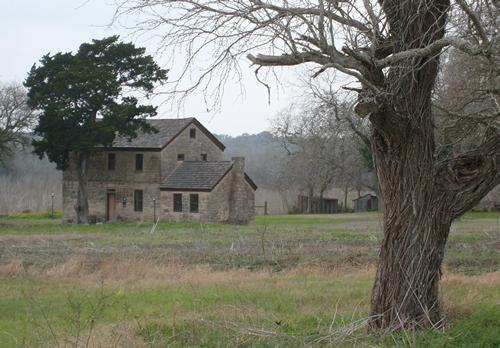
{"type": "Point", "coordinates": [191, 148]}
{"type": "Point", "coordinates": [241, 195]}
{"type": "Point", "coordinates": [123, 180]}
{"type": "Point", "coordinates": [231, 201]}
{"type": "Point", "coordinates": [167, 207]}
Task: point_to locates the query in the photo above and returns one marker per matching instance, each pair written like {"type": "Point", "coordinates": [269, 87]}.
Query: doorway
{"type": "Point", "coordinates": [111, 206]}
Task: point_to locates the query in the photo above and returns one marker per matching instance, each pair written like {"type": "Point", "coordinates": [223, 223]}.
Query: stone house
{"type": "Point", "coordinates": [176, 174]}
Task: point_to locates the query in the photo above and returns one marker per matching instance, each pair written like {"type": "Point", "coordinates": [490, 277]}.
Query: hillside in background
{"type": "Point", "coordinates": [263, 156]}
{"type": "Point", "coordinates": [27, 182]}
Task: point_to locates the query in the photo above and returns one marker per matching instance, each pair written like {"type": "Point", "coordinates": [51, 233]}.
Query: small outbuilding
{"type": "Point", "coordinates": [318, 206]}
{"type": "Point", "coordinates": [368, 202]}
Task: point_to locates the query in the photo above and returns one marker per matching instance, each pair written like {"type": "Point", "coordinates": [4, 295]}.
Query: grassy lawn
{"type": "Point", "coordinates": [285, 281]}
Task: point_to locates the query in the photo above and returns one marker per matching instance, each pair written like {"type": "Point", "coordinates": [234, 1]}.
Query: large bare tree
{"type": "Point", "coordinates": [16, 119]}
{"type": "Point", "coordinates": [392, 48]}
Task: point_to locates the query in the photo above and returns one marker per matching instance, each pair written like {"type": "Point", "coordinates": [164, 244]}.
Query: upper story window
{"type": "Point", "coordinates": [204, 157]}
{"type": "Point", "coordinates": [180, 157]}
{"type": "Point", "coordinates": [138, 200]}
{"type": "Point", "coordinates": [111, 161]}
{"type": "Point", "coordinates": [192, 133]}
{"type": "Point", "coordinates": [177, 202]}
{"type": "Point", "coordinates": [139, 161]}
{"type": "Point", "coordinates": [193, 203]}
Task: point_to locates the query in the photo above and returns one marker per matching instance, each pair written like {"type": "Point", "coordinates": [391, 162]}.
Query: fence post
{"type": "Point", "coordinates": [154, 210]}
{"type": "Point", "coordinates": [265, 207]}
{"type": "Point", "coordinates": [52, 208]}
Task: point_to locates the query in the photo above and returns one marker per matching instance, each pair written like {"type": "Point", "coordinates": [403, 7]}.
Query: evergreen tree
{"type": "Point", "coordinates": [85, 100]}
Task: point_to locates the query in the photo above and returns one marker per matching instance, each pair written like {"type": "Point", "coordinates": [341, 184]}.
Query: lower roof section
{"type": "Point", "coordinates": [196, 176]}
{"type": "Point", "coordinates": [199, 176]}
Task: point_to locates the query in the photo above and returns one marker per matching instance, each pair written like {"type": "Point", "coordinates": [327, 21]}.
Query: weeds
{"type": "Point", "coordinates": [269, 285]}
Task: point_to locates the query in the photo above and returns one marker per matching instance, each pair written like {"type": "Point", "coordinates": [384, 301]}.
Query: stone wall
{"type": "Point", "coordinates": [231, 201]}
{"type": "Point", "coordinates": [124, 167]}
{"type": "Point", "coordinates": [241, 195]}
{"type": "Point", "coordinates": [167, 207]}
{"type": "Point", "coordinates": [98, 199]}
{"type": "Point", "coordinates": [191, 148]}
{"type": "Point", "coordinates": [123, 180]}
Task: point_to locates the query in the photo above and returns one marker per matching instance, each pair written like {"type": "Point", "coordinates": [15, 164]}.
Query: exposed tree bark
{"type": "Point", "coordinates": [416, 222]}
{"type": "Point", "coordinates": [392, 49]}
{"type": "Point", "coordinates": [416, 226]}
{"type": "Point", "coordinates": [421, 197]}
{"type": "Point", "coordinates": [82, 207]}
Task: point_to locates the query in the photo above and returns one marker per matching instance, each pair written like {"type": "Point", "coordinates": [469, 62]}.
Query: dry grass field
{"type": "Point", "coordinates": [285, 281]}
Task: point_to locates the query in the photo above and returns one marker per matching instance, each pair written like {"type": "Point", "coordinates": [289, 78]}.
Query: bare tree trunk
{"type": "Point", "coordinates": [310, 197]}
{"type": "Point", "coordinates": [419, 209]}
{"type": "Point", "coordinates": [82, 208]}
{"type": "Point", "coordinates": [321, 203]}
{"type": "Point", "coordinates": [346, 192]}
{"type": "Point", "coordinates": [417, 220]}
{"type": "Point", "coordinates": [421, 196]}
{"type": "Point", "coordinates": [405, 293]}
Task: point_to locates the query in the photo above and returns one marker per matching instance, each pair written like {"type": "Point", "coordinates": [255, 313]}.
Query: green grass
{"type": "Point", "coordinates": [296, 309]}
{"type": "Point", "coordinates": [481, 215]}
{"type": "Point", "coordinates": [480, 329]}
{"type": "Point", "coordinates": [26, 224]}
{"type": "Point", "coordinates": [39, 215]}
{"type": "Point", "coordinates": [276, 283]}
{"type": "Point", "coordinates": [304, 219]}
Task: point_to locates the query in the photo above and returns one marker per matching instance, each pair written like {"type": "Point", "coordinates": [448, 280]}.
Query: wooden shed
{"type": "Point", "coordinates": [367, 202]}
{"type": "Point", "coordinates": [319, 206]}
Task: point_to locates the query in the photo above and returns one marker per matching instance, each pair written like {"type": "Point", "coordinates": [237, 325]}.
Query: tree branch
{"type": "Point", "coordinates": [470, 176]}
{"type": "Point", "coordinates": [429, 50]}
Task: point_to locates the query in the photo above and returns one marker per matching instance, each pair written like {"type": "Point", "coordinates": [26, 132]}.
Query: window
{"type": "Point", "coordinates": [180, 157]}
{"type": "Point", "coordinates": [137, 200]}
{"type": "Point", "coordinates": [193, 203]}
{"type": "Point", "coordinates": [177, 202]}
{"type": "Point", "coordinates": [204, 157]}
{"type": "Point", "coordinates": [111, 161]}
{"type": "Point", "coordinates": [192, 133]}
{"type": "Point", "coordinates": [139, 159]}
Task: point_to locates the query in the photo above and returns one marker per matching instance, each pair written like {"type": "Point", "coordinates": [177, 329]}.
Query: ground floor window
{"type": "Point", "coordinates": [137, 200]}
{"type": "Point", "coordinates": [193, 203]}
{"type": "Point", "coordinates": [177, 202]}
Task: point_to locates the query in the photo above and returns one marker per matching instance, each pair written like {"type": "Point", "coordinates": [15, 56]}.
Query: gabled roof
{"type": "Point", "coordinates": [365, 196]}
{"type": "Point", "coordinates": [168, 130]}
{"type": "Point", "coordinates": [197, 176]}
{"type": "Point", "coordinates": [250, 182]}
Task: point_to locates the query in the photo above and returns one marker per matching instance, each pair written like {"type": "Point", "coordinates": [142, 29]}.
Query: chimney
{"type": "Point", "coordinates": [237, 195]}
{"type": "Point", "coordinates": [238, 165]}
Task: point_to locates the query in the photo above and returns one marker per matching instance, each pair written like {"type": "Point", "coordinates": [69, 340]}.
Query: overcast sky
{"type": "Point", "coordinates": [32, 28]}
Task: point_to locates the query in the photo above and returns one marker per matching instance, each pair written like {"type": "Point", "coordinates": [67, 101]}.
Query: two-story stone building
{"type": "Point", "coordinates": [176, 174]}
